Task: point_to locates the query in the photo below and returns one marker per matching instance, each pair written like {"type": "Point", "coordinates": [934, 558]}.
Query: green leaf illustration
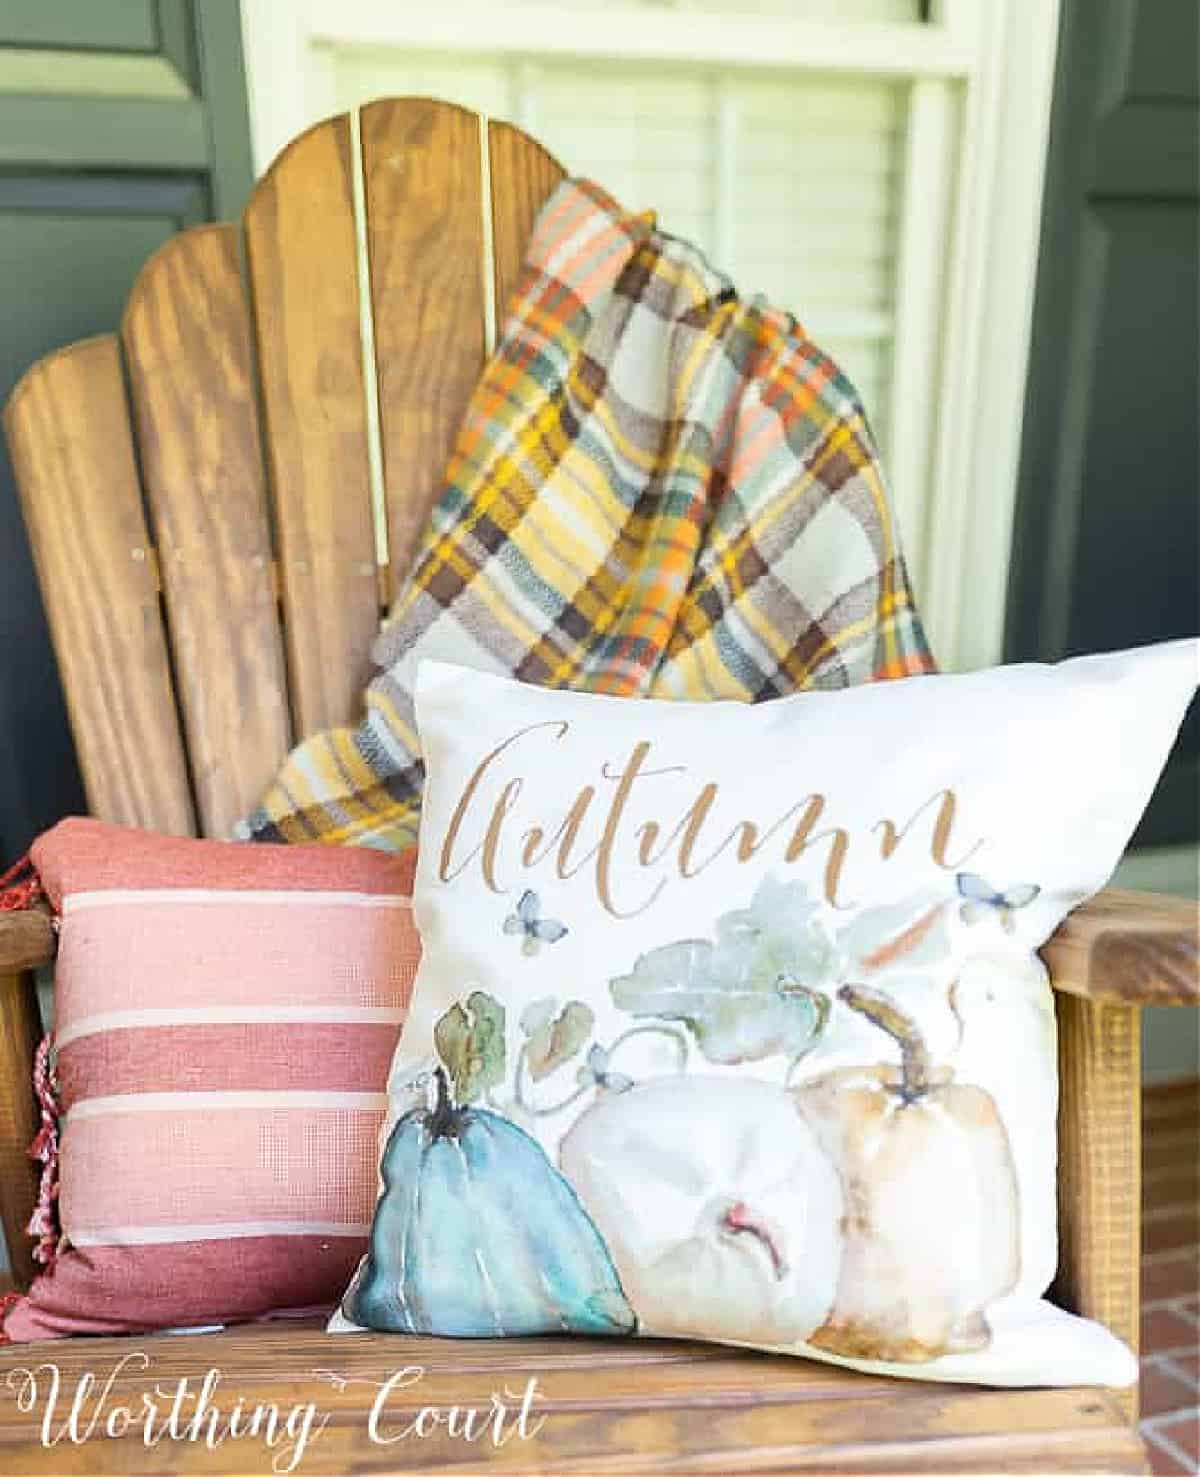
{"type": "Point", "coordinates": [470, 1043]}
{"type": "Point", "coordinates": [761, 990]}
{"type": "Point", "coordinates": [765, 987]}
{"type": "Point", "coordinates": [554, 1039]}
{"type": "Point", "coordinates": [780, 933]}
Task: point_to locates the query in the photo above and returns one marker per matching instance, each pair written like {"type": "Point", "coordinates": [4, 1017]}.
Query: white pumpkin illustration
{"type": "Point", "coordinates": [721, 1212]}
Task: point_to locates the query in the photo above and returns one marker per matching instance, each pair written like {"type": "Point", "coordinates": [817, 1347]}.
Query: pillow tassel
{"type": "Point", "coordinates": [44, 1223]}
{"type": "Point", "coordinates": [18, 891]}
{"type": "Point", "coordinates": [8, 1301]}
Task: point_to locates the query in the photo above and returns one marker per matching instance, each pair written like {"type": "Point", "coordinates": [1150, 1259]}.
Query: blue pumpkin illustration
{"type": "Point", "coordinates": [477, 1235]}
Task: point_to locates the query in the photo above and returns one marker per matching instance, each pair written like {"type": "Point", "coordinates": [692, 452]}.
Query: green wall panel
{"type": "Point", "coordinates": [103, 132]}
{"type": "Point", "coordinates": [113, 25]}
{"type": "Point", "coordinates": [1106, 547]}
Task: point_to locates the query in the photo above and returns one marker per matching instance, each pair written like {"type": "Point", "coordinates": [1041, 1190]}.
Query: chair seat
{"type": "Point", "coordinates": [600, 1406]}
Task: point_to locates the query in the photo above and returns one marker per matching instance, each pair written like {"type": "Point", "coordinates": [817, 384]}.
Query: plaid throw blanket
{"type": "Point", "coordinates": [658, 489]}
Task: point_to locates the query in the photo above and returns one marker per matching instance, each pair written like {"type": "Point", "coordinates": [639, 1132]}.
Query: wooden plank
{"type": "Point", "coordinates": [523, 177]}
{"type": "Point", "coordinates": [589, 1447]}
{"type": "Point", "coordinates": [1129, 947]}
{"type": "Point", "coordinates": [68, 431]}
{"type": "Point", "coordinates": [1099, 1167]}
{"type": "Point", "coordinates": [1172, 1106]}
{"type": "Point", "coordinates": [599, 1406]}
{"type": "Point", "coordinates": [187, 341]}
{"type": "Point", "coordinates": [585, 1444]}
{"type": "Point", "coordinates": [302, 256]}
{"type": "Point", "coordinates": [20, 1028]}
{"type": "Point", "coordinates": [26, 940]}
{"type": "Point", "coordinates": [629, 1370]}
{"type": "Point", "coordinates": [421, 176]}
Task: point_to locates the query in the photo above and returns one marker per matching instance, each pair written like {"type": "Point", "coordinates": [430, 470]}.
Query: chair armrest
{"type": "Point", "coordinates": [26, 940]}
{"type": "Point", "coordinates": [1128, 948]}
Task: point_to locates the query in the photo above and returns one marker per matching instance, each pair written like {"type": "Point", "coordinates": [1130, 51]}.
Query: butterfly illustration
{"type": "Point", "coordinates": [981, 900]}
{"type": "Point", "coordinates": [533, 928]}
{"type": "Point", "coordinates": [597, 1071]}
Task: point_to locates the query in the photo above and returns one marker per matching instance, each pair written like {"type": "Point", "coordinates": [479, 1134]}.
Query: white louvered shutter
{"type": "Point", "coordinates": [790, 184]}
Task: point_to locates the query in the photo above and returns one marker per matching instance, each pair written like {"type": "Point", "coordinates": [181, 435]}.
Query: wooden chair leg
{"type": "Point", "coordinates": [20, 1028]}
{"type": "Point", "coordinates": [1100, 1171]}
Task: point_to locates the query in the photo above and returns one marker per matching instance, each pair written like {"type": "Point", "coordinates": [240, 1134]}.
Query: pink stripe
{"type": "Point", "coordinates": [556, 225]}
{"type": "Point", "coordinates": [81, 855]}
{"type": "Point", "coordinates": [235, 953]}
{"type": "Point", "coordinates": [206, 1167]}
{"type": "Point", "coordinates": [758, 432]}
{"type": "Point", "coordinates": [130, 1289]}
{"type": "Point", "coordinates": [316, 1058]}
{"type": "Point", "coordinates": [604, 258]}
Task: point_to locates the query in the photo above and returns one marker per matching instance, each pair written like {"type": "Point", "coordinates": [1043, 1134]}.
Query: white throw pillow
{"type": "Point", "coordinates": [729, 1022]}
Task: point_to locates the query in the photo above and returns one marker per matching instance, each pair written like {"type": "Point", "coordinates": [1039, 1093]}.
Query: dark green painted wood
{"type": "Point", "coordinates": [223, 70]}
{"type": "Point", "coordinates": [1161, 45]}
{"type": "Point", "coordinates": [103, 132]}
{"type": "Point", "coordinates": [1106, 549]}
{"type": "Point", "coordinates": [183, 199]}
{"type": "Point", "coordinates": [1150, 150]}
{"type": "Point", "coordinates": [89, 188]}
{"type": "Point", "coordinates": [104, 25]}
{"type": "Point", "coordinates": [177, 39]}
{"type": "Point", "coordinates": [69, 247]}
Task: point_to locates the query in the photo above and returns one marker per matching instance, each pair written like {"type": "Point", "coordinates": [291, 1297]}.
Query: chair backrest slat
{"type": "Point", "coordinates": [523, 176]}
{"type": "Point", "coordinates": [303, 267]}
{"type": "Point", "coordinates": [422, 176]}
{"type": "Point", "coordinates": [186, 335]}
{"type": "Point", "coordinates": [69, 431]}
{"type": "Point", "coordinates": [252, 402]}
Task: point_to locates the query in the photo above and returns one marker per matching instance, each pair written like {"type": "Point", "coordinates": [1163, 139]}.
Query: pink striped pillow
{"type": "Point", "coordinates": [225, 1017]}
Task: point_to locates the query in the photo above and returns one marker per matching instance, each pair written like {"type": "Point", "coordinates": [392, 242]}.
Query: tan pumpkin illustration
{"type": "Point", "coordinates": [931, 1231]}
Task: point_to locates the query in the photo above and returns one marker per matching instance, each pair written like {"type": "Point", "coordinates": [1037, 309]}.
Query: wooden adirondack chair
{"type": "Point", "coordinates": [198, 493]}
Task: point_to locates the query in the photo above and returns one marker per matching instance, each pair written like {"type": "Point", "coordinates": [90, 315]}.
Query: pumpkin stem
{"type": "Point", "coordinates": [445, 1120]}
{"type": "Point", "coordinates": [882, 1011]}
